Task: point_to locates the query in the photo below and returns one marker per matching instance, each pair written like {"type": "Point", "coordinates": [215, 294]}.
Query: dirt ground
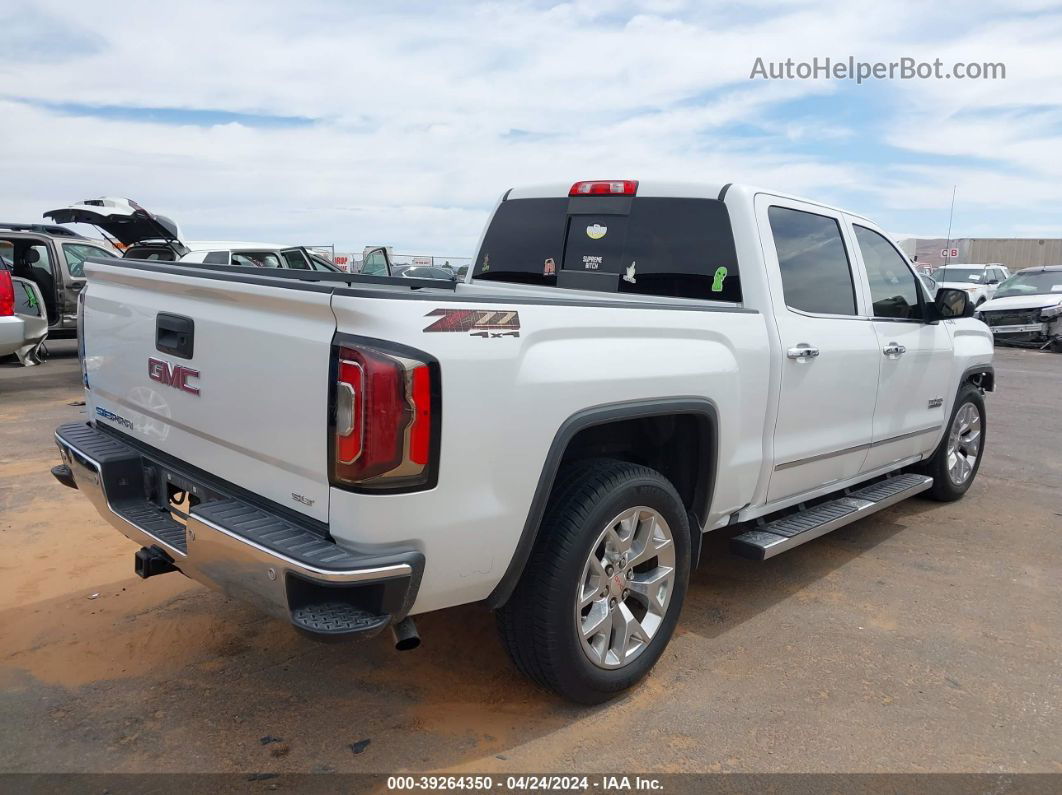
{"type": "Point", "coordinates": [925, 638]}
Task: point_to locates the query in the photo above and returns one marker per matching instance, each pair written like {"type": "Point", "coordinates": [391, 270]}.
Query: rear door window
{"type": "Point", "coordinates": [681, 248]}
{"type": "Point", "coordinates": [813, 261]}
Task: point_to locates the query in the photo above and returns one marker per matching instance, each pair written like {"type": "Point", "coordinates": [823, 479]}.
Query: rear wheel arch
{"type": "Point", "coordinates": [629, 431]}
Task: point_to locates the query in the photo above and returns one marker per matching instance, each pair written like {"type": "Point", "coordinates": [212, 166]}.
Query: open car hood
{"type": "Point", "coordinates": [122, 219]}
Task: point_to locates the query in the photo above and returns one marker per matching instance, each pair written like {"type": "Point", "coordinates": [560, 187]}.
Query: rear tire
{"type": "Point", "coordinates": [957, 459]}
{"type": "Point", "coordinates": [571, 627]}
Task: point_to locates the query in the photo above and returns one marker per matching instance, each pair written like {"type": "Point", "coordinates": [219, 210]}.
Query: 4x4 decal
{"type": "Point", "coordinates": [484, 323]}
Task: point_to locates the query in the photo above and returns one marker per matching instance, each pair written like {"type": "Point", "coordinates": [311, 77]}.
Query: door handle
{"type": "Point", "coordinates": [802, 352]}
{"type": "Point", "coordinates": [894, 349]}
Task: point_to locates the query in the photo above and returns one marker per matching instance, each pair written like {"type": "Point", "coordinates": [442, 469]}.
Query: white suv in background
{"type": "Point", "coordinates": [980, 281]}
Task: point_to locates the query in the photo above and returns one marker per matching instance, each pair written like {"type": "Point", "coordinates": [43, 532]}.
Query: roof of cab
{"type": "Point", "coordinates": [673, 190]}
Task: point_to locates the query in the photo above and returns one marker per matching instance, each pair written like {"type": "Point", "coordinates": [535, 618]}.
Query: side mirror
{"type": "Point", "coordinates": [993, 281]}
{"type": "Point", "coordinates": [951, 303]}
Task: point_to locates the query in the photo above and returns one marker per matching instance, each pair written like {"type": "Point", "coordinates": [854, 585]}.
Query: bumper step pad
{"type": "Point", "coordinates": [338, 620]}
{"type": "Point", "coordinates": [775, 537]}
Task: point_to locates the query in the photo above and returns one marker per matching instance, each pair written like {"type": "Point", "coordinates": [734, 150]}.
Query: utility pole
{"type": "Point", "coordinates": [951, 217]}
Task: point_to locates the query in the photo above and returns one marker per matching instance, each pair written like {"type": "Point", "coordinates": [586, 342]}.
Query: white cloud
{"type": "Point", "coordinates": [415, 106]}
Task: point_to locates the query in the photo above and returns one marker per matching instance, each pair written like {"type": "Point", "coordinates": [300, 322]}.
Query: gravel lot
{"type": "Point", "coordinates": [925, 638]}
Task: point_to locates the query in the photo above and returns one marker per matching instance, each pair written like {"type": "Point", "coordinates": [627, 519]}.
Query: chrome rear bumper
{"type": "Point", "coordinates": [244, 550]}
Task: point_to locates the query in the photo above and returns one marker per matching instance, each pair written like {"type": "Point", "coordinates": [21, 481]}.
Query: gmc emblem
{"type": "Point", "coordinates": [175, 375]}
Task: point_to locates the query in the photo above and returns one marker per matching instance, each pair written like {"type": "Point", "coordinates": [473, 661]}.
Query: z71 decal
{"type": "Point", "coordinates": [486, 323]}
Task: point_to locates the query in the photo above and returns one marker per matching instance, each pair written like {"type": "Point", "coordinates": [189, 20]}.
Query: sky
{"type": "Point", "coordinates": [401, 123]}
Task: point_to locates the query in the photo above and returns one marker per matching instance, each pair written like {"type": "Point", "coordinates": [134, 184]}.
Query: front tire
{"type": "Point", "coordinates": [956, 461]}
{"type": "Point", "coordinates": [601, 593]}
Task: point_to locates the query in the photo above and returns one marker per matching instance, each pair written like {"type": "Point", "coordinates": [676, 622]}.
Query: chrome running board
{"type": "Point", "coordinates": [775, 537]}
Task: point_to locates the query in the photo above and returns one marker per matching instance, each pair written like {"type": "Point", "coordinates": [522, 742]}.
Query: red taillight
{"type": "Point", "coordinates": [420, 430]}
{"type": "Point", "coordinates": [7, 294]}
{"type": "Point", "coordinates": [383, 419]}
{"type": "Point", "coordinates": [605, 187]}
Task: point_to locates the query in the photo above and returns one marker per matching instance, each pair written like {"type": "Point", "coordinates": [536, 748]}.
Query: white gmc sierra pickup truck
{"type": "Point", "coordinates": [628, 365]}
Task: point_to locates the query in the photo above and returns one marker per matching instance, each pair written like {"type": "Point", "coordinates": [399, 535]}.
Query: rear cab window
{"type": "Point", "coordinates": [668, 247]}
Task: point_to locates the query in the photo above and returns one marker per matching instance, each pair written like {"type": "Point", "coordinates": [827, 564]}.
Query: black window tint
{"type": "Point", "coordinates": [893, 290]}
{"type": "Point", "coordinates": [668, 247]}
{"type": "Point", "coordinates": [816, 276]}
{"type": "Point", "coordinates": [682, 248]}
{"type": "Point", "coordinates": [217, 258]}
{"type": "Point", "coordinates": [595, 243]}
{"type": "Point", "coordinates": [525, 242]}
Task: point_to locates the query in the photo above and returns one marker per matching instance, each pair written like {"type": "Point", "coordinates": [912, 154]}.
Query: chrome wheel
{"type": "Point", "coordinates": [964, 443]}
{"type": "Point", "coordinates": [625, 588]}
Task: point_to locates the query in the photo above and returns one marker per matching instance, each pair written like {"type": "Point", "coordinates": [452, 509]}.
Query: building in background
{"type": "Point", "coordinates": [1014, 252]}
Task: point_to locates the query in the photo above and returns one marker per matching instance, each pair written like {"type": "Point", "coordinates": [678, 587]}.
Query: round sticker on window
{"type": "Point", "coordinates": [596, 231]}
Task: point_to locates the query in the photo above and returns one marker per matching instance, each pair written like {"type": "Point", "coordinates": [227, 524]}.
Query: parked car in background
{"type": "Point", "coordinates": [980, 281]}
{"type": "Point", "coordinates": [377, 262]}
{"type": "Point", "coordinates": [1027, 309]}
{"type": "Point", "coordinates": [320, 262]}
{"type": "Point", "coordinates": [23, 319]}
{"type": "Point", "coordinates": [151, 237]}
{"type": "Point", "coordinates": [51, 257]}
{"type": "Point", "coordinates": [427, 272]}
{"type": "Point", "coordinates": [255, 255]}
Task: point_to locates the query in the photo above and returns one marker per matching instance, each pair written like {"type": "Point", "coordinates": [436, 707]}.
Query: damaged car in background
{"type": "Point", "coordinates": [143, 235]}
{"type": "Point", "coordinates": [1027, 309]}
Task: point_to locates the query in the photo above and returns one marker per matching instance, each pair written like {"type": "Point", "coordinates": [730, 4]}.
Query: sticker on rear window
{"type": "Point", "coordinates": [596, 231]}
{"type": "Point", "coordinates": [720, 277]}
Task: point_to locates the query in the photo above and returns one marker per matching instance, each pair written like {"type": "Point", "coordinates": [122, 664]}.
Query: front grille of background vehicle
{"type": "Point", "coordinates": [1014, 318]}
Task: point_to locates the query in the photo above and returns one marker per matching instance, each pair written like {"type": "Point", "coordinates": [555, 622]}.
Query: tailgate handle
{"type": "Point", "coordinates": [175, 335]}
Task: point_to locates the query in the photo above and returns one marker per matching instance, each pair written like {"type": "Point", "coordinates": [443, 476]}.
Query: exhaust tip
{"type": "Point", "coordinates": [405, 634]}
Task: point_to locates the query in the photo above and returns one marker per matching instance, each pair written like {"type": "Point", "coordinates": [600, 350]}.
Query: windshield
{"type": "Point", "coordinates": [968, 275]}
{"type": "Point", "coordinates": [77, 253]}
{"type": "Point", "coordinates": [1035, 283]}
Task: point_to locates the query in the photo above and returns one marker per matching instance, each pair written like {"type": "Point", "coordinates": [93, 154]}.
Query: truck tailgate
{"type": "Point", "coordinates": [250, 402]}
